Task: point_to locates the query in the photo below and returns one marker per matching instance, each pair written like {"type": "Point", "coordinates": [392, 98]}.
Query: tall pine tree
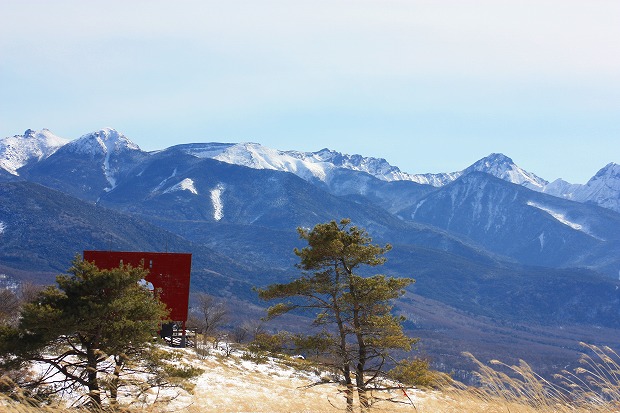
{"type": "Point", "coordinates": [353, 312]}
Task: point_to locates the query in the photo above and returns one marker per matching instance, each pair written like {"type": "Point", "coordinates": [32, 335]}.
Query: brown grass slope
{"type": "Point", "coordinates": [232, 384]}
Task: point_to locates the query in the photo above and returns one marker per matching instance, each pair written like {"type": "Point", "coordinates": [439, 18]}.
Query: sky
{"type": "Point", "coordinates": [431, 86]}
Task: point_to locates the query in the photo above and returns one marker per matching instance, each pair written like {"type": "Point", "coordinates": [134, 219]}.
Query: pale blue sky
{"type": "Point", "coordinates": [432, 86]}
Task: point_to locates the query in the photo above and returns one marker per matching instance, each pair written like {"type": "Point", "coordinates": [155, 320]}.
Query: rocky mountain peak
{"type": "Point", "coordinates": [104, 141]}
{"type": "Point", "coordinates": [33, 146]}
{"type": "Point", "coordinates": [501, 166]}
{"type": "Point", "coordinates": [609, 171]}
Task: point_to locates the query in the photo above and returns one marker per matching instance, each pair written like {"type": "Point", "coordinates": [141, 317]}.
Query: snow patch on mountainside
{"type": "Point", "coordinates": [185, 185]}
{"type": "Point", "coordinates": [109, 176]}
{"type": "Point", "coordinates": [205, 150]}
{"type": "Point", "coordinates": [541, 239]}
{"type": "Point", "coordinates": [2, 227]}
{"type": "Point", "coordinates": [216, 200]}
{"type": "Point", "coordinates": [162, 183]}
{"type": "Point", "coordinates": [557, 215]}
{"type": "Point", "coordinates": [416, 208]}
{"type": "Point", "coordinates": [561, 217]}
{"type": "Point", "coordinates": [19, 150]}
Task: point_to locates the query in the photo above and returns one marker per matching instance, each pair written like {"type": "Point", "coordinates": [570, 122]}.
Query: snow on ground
{"type": "Point", "coordinates": [185, 185]}
{"type": "Point", "coordinates": [216, 199]}
{"type": "Point", "coordinates": [232, 384]}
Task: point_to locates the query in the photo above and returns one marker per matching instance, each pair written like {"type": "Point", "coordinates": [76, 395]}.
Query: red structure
{"type": "Point", "coordinates": [168, 272]}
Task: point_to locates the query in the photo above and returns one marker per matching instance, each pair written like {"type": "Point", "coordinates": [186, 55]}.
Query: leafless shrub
{"type": "Point", "coordinates": [10, 305]}
{"type": "Point", "coordinates": [212, 313]}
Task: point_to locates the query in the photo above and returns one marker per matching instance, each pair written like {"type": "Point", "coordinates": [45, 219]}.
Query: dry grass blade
{"type": "Point", "coordinates": [593, 388]}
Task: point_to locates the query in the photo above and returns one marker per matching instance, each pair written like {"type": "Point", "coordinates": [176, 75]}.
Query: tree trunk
{"type": "Point", "coordinates": [360, 367]}
{"type": "Point", "coordinates": [344, 356]}
{"type": "Point", "coordinates": [116, 379]}
{"type": "Point", "coordinates": [94, 392]}
{"type": "Point", "coordinates": [348, 392]}
{"type": "Point", "coordinates": [344, 359]}
{"type": "Point", "coordinates": [361, 390]}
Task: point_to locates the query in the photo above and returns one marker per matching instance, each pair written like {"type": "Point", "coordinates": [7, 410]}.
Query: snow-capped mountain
{"type": "Point", "coordinates": [602, 189]}
{"type": "Point", "coordinates": [341, 173]}
{"type": "Point", "coordinates": [321, 165]}
{"type": "Point", "coordinates": [33, 146]}
{"type": "Point", "coordinates": [106, 140]}
{"type": "Point", "coordinates": [502, 167]}
{"type": "Point", "coordinates": [256, 156]}
{"type": "Point", "coordinates": [377, 167]}
{"type": "Point", "coordinates": [89, 166]}
{"type": "Point", "coordinates": [109, 144]}
{"type": "Point", "coordinates": [496, 164]}
{"type": "Point", "coordinates": [310, 166]}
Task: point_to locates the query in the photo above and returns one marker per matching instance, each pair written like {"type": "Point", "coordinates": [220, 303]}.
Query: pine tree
{"type": "Point", "coordinates": [358, 330]}
{"type": "Point", "coordinates": [93, 315]}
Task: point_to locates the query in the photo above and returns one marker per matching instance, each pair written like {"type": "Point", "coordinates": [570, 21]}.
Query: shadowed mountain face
{"type": "Point", "coordinates": [528, 226]}
{"type": "Point", "coordinates": [42, 229]}
{"type": "Point", "coordinates": [483, 247]}
{"type": "Point", "coordinates": [186, 182]}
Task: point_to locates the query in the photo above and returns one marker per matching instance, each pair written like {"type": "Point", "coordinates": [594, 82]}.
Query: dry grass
{"type": "Point", "coordinates": [234, 385]}
{"type": "Point", "coordinates": [594, 387]}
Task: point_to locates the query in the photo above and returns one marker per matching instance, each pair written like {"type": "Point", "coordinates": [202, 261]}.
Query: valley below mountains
{"type": "Point", "coordinates": [507, 265]}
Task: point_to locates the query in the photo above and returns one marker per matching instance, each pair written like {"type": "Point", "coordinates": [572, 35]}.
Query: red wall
{"type": "Point", "coordinates": [169, 272]}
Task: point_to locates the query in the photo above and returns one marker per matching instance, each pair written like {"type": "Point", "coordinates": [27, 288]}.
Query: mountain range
{"type": "Point", "coordinates": [32, 147]}
{"type": "Point", "coordinates": [493, 243]}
